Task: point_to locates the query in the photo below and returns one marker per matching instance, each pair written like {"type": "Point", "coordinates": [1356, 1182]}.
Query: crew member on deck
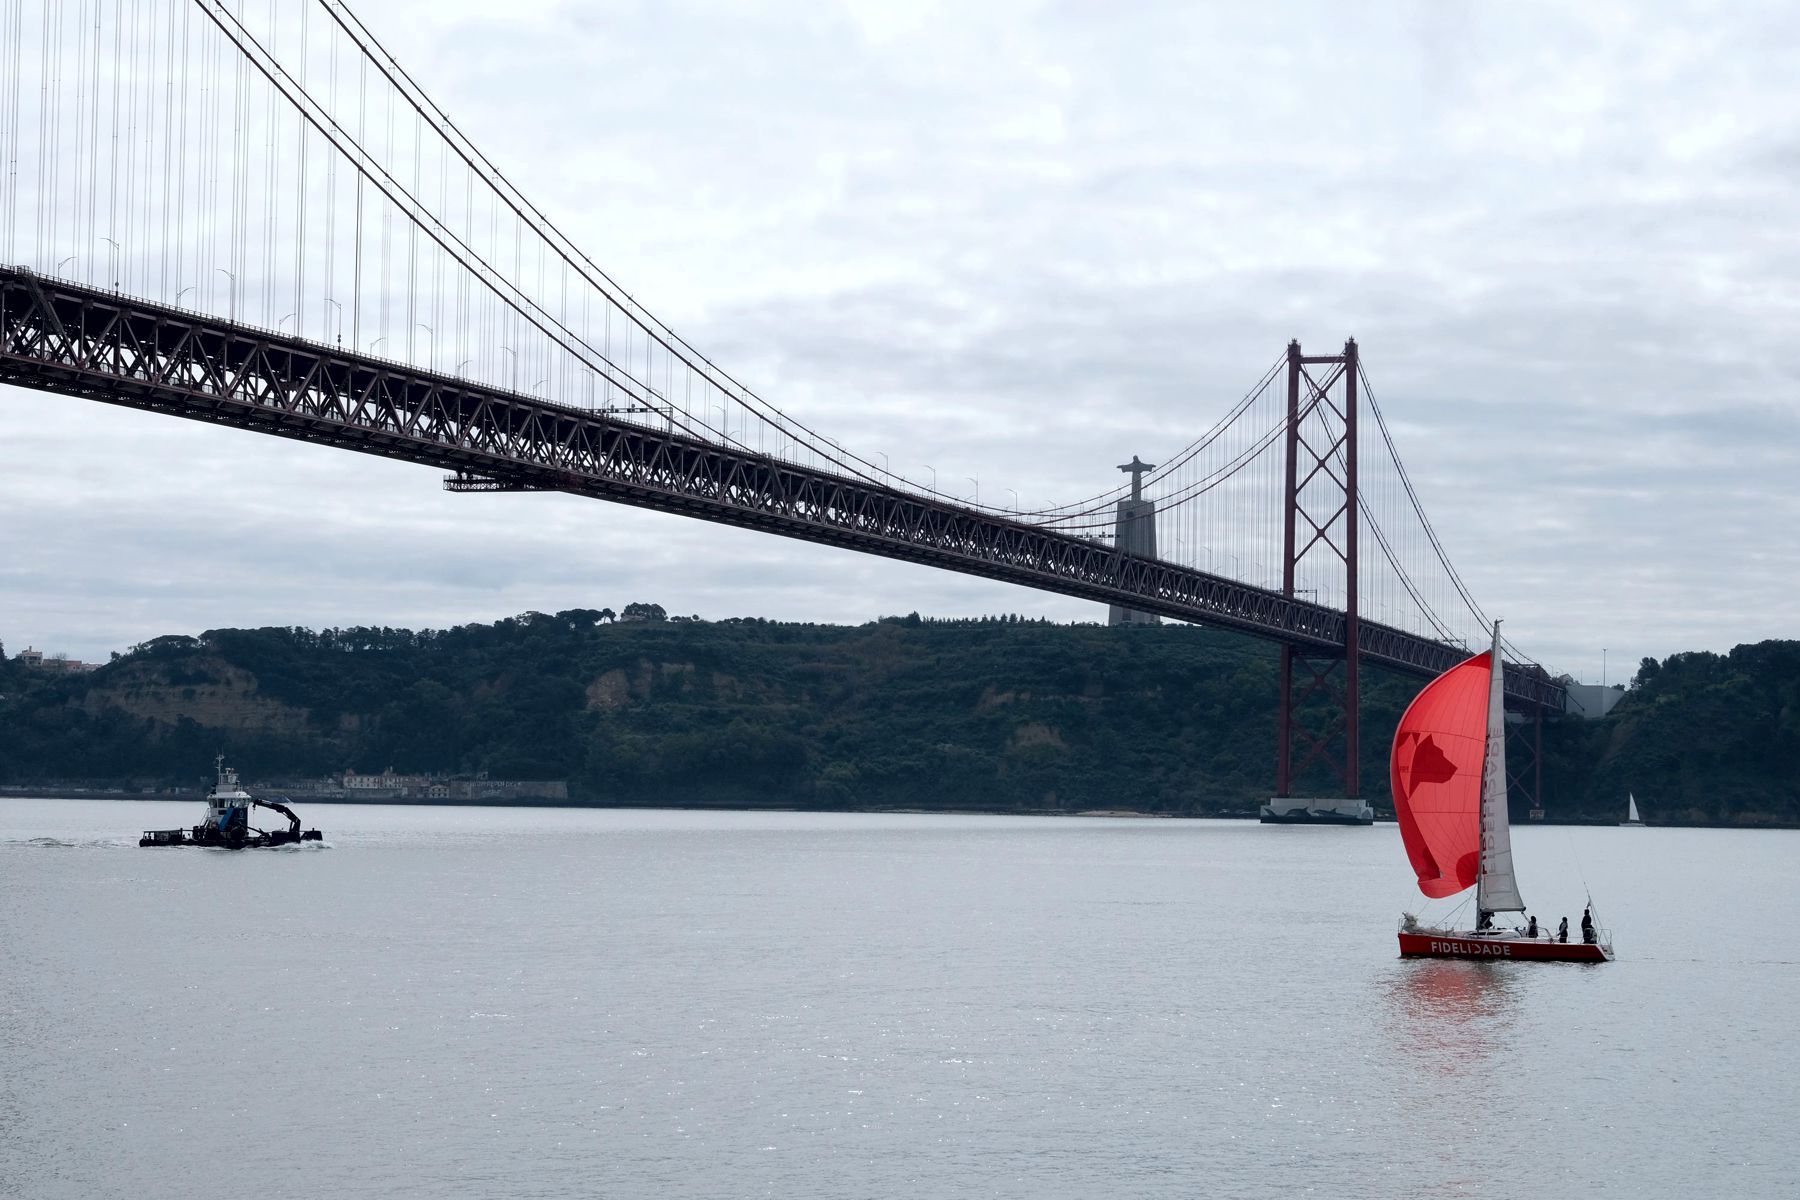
{"type": "Point", "coordinates": [1531, 929]}
{"type": "Point", "coordinates": [1562, 931]}
{"type": "Point", "coordinates": [1587, 925]}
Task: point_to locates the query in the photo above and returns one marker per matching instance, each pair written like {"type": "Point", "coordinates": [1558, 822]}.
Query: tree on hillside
{"type": "Point", "coordinates": [643, 612]}
{"type": "Point", "coordinates": [166, 646]}
{"type": "Point", "coordinates": [607, 614]}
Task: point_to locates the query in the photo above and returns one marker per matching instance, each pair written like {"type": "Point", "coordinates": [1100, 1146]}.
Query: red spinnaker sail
{"type": "Point", "coordinates": [1436, 774]}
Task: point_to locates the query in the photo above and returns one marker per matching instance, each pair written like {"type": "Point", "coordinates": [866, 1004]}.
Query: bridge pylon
{"type": "Point", "coordinates": [1318, 737]}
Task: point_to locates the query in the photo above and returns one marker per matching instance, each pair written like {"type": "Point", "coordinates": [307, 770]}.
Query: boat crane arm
{"type": "Point", "coordinates": [284, 810]}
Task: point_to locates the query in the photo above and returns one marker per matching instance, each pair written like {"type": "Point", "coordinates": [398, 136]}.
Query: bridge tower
{"type": "Point", "coordinates": [1318, 734]}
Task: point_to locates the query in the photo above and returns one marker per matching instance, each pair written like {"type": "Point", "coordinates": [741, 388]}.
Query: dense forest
{"type": "Point", "coordinates": [992, 715]}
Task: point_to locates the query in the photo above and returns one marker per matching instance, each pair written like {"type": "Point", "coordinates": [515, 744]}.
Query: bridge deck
{"type": "Point", "coordinates": [60, 337]}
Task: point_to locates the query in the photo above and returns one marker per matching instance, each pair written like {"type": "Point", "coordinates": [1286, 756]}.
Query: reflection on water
{"type": "Point", "coordinates": [1448, 1016]}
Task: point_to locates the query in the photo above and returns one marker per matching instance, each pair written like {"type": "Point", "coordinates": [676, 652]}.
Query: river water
{"type": "Point", "coordinates": [565, 1003]}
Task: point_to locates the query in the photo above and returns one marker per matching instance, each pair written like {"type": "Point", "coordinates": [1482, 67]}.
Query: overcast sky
{"type": "Point", "coordinates": [1024, 241]}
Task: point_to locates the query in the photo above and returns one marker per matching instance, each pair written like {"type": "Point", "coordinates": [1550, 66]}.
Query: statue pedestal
{"type": "Point", "coordinates": [1134, 533]}
{"type": "Point", "coordinates": [1291, 810]}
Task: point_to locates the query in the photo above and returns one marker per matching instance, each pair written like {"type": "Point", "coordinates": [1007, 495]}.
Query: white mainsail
{"type": "Point", "coordinates": [1495, 889]}
{"type": "Point", "coordinates": [1631, 817]}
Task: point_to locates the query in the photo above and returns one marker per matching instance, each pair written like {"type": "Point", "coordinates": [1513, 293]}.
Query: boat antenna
{"type": "Point", "coordinates": [1579, 873]}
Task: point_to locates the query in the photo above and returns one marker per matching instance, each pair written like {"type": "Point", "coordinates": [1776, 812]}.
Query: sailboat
{"type": "Point", "coordinates": [1448, 771]}
{"type": "Point", "coordinates": [1631, 813]}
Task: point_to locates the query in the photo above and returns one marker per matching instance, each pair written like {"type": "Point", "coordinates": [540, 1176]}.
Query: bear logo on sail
{"type": "Point", "coordinates": [1428, 764]}
{"type": "Point", "coordinates": [1419, 762]}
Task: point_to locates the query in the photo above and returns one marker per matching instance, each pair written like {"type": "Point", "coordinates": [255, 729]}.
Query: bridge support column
{"type": "Point", "coordinates": [1318, 722]}
{"type": "Point", "coordinates": [1528, 778]}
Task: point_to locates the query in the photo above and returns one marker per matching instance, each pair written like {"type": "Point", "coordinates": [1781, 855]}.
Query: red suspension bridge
{"type": "Point", "coordinates": [250, 214]}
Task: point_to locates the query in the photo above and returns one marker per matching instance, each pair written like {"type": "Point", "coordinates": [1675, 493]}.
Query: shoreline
{"type": "Point", "coordinates": [67, 793]}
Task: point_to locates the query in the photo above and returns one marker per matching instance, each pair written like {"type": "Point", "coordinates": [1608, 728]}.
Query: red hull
{"type": "Point", "coordinates": [1457, 945]}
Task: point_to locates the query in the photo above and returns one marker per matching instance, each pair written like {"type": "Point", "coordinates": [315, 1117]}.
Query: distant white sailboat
{"type": "Point", "coordinates": [1631, 817]}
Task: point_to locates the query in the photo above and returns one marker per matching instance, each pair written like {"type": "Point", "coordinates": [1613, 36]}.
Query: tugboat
{"type": "Point", "coordinates": [227, 825]}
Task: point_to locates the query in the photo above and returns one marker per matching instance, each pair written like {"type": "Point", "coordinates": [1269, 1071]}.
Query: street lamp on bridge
{"type": "Point", "coordinates": [112, 260]}
{"type": "Point", "coordinates": [231, 295]}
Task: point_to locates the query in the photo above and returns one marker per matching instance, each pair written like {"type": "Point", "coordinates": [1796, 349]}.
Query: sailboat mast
{"type": "Point", "coordinates": [1496, 682]}
{"type": "Point", "coordinates": [1496, 885]}
{"type": "Point", "coordinates": [1494, 670]}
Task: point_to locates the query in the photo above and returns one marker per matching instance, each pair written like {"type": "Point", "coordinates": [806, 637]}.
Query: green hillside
{"type": "Point", "coordinates": [992, 715]}
{"type": "Point", "coordinates": [1700, 738]}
